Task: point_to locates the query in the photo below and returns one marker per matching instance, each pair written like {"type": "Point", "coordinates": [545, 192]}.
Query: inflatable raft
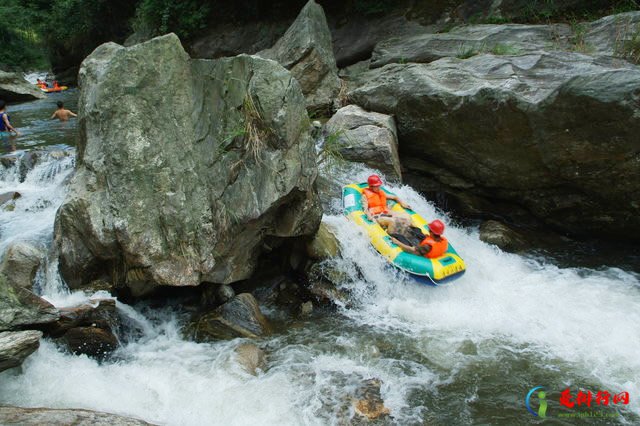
{"type": "Point", "coordinates": [435, 271]}
{"type": "Point", "coordinates": [54, 89]}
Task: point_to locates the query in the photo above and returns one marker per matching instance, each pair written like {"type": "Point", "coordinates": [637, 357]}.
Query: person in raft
{"type": "Point", "coordinates": [5, 124]}
{"type": "Point", "coordinates": [374, 203]}
{"type": "Point", "coordinates": [61, 113]}
{"type": "Point", "coordinates": [432, 246]}
{"type": "Point", "coordinates": [41, 84]}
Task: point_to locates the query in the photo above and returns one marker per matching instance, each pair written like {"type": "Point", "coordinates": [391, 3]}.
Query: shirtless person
{"type": "Point", "coordinates": [62, 114]}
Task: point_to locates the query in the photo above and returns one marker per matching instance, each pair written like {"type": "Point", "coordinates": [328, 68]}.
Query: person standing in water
{"type": "Point", "coordinates": [61, 113]}
{"type": "Point", "coordinates": [5, 124]}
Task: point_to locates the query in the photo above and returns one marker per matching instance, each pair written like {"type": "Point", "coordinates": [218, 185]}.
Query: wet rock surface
{"type": "Point", "coordinates": [251, 358]}
{"type": "Point", "coordinates": [39, 416]}
{"type": "Point", "coordinates": [20, 263]}
{"type": "Point", "coordinates": [20, 309]}
{"type": "Point", "coordinates": [16, 346]}
{"type": "Point", "coordinates": [494, 232]}
{"type": "Point", "coordinates": [239, 317]}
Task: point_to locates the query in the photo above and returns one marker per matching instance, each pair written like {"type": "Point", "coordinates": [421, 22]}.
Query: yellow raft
{"type": "Point", "coordinates": [435, 271]}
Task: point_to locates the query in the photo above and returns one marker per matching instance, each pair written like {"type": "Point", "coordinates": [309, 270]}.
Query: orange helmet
{"type": "Point", "coordinates": [437, 227]}
{"type": "Point", "coordinates": [374, 180]}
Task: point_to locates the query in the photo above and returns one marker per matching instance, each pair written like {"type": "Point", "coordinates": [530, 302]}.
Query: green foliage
{"type": "Point", "coordinates": [467, 52]}
{"type": "Point", "coordinates": [330, 151]}
{"type": "Point", "coordinates": [185, 18]}
{"type": "Point", "coordinates": [579, 33]}
{"type": "Point", "coordinates": [22, 47]}
{"type": "Point", "coordinates": [628, 44]}
{"type": "Point", "coordinates": [505, 49]}
{"type": "Point", "coordinates": [496, 20]}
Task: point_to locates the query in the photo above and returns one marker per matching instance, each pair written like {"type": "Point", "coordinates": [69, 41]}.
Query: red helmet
{"type": "Point", "coordinates": [437, 227]}
{"type": "Point", "coordinates": [374, 180]}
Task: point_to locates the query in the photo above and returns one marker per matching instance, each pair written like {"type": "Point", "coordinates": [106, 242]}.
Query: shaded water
{"type": "Point", "coordinates": [466, 353]}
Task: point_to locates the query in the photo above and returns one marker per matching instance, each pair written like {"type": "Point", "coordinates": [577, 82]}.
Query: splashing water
{"type": "Point", "coordinates": [464, 353]}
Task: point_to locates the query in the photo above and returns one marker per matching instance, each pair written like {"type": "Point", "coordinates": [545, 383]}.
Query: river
{"type": "Point", "coordinates": [466, 353]}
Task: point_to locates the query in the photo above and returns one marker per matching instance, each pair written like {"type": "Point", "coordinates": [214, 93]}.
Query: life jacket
{"type": "Point", "coordinates": [377, 202]}
{"type": "Point", "coordinates": [438, 248]}
{"type": "Point", "coordinates": [3, 127]}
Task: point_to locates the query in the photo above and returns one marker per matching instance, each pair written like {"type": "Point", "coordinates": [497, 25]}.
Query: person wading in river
{"type": "Point", "coordinates": [62, 114]}
{"type": "Point", "coordinates": [5, 124]}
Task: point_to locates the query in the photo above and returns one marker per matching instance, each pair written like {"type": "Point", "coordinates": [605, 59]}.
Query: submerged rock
{"type": "Point", "coordinates": [14, 88]}
{"type": "Point", "coordinates": [184, 185]}
{"type": "Point", "coordinates": [324, 245]}
{"type": "Point", "coordinates": [239, 317]}
{"type": "Point", "coordinates": [19, 308]}
{"type": "Point", "coordinates": [539, 131]}
{"type": "Point", "coordinates": [91, 341]}
{"type": "Point", "coordinates": [369, 402]}
{"type": "Point", "coordinates": [306, 50]}
{"type": "Point", "coordinates": [367, 137]}
{"type": "Point", "coordinates": [251, 358]}
{"type": "Point", "coordinates": [9, 196]}
{"type": "Point", "coordinates": [494, 232]}
{"type": "Point", "coordinates": [20, 264]}
{"type": "Point", "coordinates": [16, 346]}
{"type": "Point", "coordinates": [49, 416]}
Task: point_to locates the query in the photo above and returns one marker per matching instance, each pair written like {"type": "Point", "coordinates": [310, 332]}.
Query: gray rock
{"type": "Point", "coordinates": [16, 346]}
{"type": "Point", "coordinates": [20, 264]}
{"type": "Point", "coordinates": [251, 358]}
{"type": "Point", "coordinates": [183, 185]}
{"type": "Point", "coordinates": [494, 232]}
{"type": "Point", "coordinates": [324, 245]}
{"type": "Point", "coordinates": [19, 308]}
{"type": "Point", "coordinates": [14, 88]}
{"type": "Point", "coordinates": [100, 313]}
{"type": "Point", "coordinates": [366, 137]}
{"type": "Point", "coordinates": [239, 317]}
{"type": "Point", "coordinates": [9, 196]}
{"type": "Point", "coordinates": [465, 41]}
{"type": "Point", "coordinates": [539, 131]}
{"type": "Point", "coordinates": [49, 416]}
{"type": "Point", "coordinates": [305, 49]}
{"type": "Point", "coordinates": [224, 293]}
{"type": "Point", "coordinates": [614, 35]}
{"type": "Point", "coordinates": [306, 309]}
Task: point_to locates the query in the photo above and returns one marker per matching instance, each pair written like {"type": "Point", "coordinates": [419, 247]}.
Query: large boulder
{"type": "Point", "coordinates": [499, 234]}
{"type": "Point", "coordinates": [20, 264]}
{"type": "Point", "coordinates": [542, 132]}
{"type": "Point", "coordinates": [367, 137]}
{"type": "Point", "coordinates": [470, 40]}
{"type": "Point", "coordinates": [15, 346]}
{"type": "Point", "coordinates": [19, 308]}
{"type": "Point", "coordinates": [14, 88]}
{"type": "Point", "coordinates": [203, 161]}
{"type": "Point", "coordinates": [306, 50]}
{"type": "Point", "coordinates": [49, 416]}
